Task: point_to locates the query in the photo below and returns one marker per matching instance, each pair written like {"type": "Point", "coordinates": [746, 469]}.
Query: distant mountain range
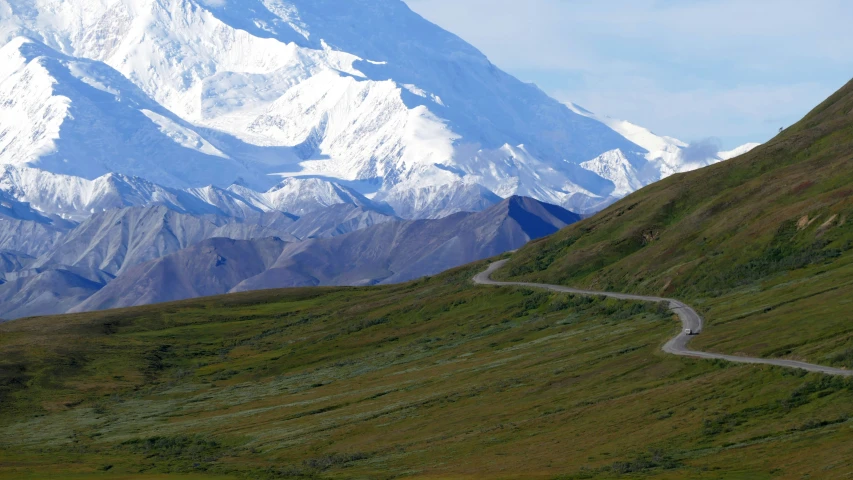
{"type": "Point", "coordinates": [198, 103]}
{"type": "Point", "coordinates": [139, 255]}
{"type": "Point", "coordinates": [153, 150]}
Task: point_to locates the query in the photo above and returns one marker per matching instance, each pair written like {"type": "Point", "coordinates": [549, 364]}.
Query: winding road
{"type": "Point", "coordinates": [689, 318]}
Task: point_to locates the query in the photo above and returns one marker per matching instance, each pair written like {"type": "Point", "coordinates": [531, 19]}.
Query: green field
{"type": "Point", "coordinates": [433, 379]}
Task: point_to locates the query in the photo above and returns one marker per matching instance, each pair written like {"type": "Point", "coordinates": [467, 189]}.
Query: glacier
{"type": "Point", "coordinates": [247, 106]}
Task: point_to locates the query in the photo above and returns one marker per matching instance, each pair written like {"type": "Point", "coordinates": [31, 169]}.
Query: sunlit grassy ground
{"type": "Point", "coordinates": [436, 379]}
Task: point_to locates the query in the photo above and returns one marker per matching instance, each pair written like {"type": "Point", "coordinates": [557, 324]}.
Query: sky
{"type": "Point", "coordinates": [733, 71]}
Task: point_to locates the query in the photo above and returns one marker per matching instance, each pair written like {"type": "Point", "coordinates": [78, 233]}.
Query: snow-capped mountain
{"type": "Point", "coordinates": [362, 99]}
{"type": "Point", "coordinates": [301, 196]}
{"type": "Point", "coordinates": [78, 198]}
{"type": "Point", "coordinates": [658, 157]}
{"type": "Point", "coordinates": [738, 151]}
{"type": "Point", "coordinates": [78, 117]}
{"type": "Point", "coordinates": [628, 171]}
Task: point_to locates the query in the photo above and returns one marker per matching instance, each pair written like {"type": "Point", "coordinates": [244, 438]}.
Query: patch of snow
{"type": "Point", "coordinates": [300, 196]}
{"type": "Point", "coordinates": [627, 176]}
{"type": "Point", "coordinates": [741, 150]}
{"type": "Point", "coordinates": [664, 156]}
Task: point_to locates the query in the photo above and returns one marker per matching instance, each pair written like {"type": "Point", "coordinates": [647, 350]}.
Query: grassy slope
{"type": "Point", "coordinates": [761, 244]}
{"type": "Point", "coordinates": [434, 379]}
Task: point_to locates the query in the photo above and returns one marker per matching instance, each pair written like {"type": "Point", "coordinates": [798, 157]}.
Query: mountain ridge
{"type": "Point", "coordinates": [125, 255]}
{"type": "Point", "coordinates": [387, 252]}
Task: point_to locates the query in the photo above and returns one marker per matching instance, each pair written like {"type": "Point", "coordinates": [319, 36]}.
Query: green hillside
{"type": "Point", "coordinates": [761, 244]}
{"type": "Point", "coordinates": [442, 379]}
{"type": "Point", "coordinates": [435, 379]}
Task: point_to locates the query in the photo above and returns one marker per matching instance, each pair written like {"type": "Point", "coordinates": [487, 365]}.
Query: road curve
{"type": "Point", "coordinates": [689, 319]}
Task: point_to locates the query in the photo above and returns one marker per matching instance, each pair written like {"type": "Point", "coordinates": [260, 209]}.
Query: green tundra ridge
{"type": "Point", "coordinates": [760, 245]}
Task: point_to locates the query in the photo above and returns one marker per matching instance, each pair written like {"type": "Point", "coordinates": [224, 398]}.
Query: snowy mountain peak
{"type": "Point", "coordinates": [668, 155]}
{"type": "Point", "coordinates": [193, 93]}
{"type": "Point", "coordinates": [628, 172]}
{"type": "Point", "coordinates": [301, 196]}
{"type": "Point", "coordinates": [746, 148]}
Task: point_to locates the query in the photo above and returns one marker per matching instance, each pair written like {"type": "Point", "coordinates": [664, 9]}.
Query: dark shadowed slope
{"type": "Point", "coordinates": [211, 267]}
{"type": "Point", "coordinates": [12, 261]}
{"type": "Point", "coordinates": [115, 240]}
{"type": "Point", "coordinates": [110, 242]}
{"type": "Point", "coordinates": [399, 251]}
{"type": "Point", "coordinates": [26, 230]}
{"type": "Point", "coordinates": [35, 292]}
{"type": "Point", "coordinates": [337, 220]}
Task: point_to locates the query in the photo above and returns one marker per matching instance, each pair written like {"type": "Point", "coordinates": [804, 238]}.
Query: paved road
{"type": "Point", "coordinates": [689, 319]}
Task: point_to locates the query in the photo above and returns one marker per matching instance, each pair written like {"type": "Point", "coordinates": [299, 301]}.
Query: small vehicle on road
{"type": "Point", "coordinates": [688, 331]}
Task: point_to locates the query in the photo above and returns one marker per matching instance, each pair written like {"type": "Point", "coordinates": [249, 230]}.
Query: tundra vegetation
{"type": "Point", "coordinates": [433, 379]}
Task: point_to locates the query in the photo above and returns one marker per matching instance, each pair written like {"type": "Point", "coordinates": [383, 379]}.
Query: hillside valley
{"type": "Point", "coordinates": [760, 244]}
